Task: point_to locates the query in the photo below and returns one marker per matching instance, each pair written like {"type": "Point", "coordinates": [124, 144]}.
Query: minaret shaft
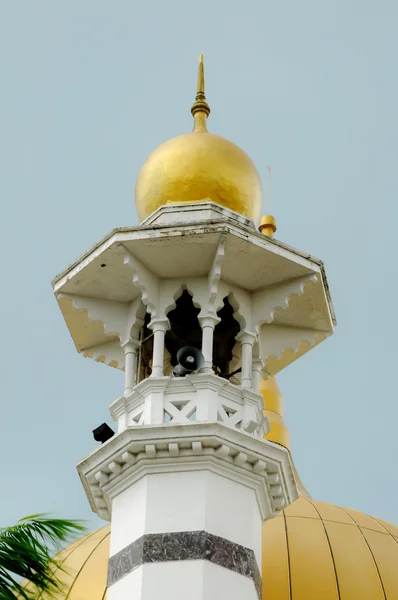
{"type": "Point", "coordinates": [185, 532]}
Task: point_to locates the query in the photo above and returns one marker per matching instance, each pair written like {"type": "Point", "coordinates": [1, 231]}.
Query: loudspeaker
{"type": "Point", "coordinates": [189, 359]}
{"type": "Point", "coordinates": [103, 433]}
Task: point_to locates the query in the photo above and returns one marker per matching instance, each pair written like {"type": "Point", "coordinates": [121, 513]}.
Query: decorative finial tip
{"type": "Point", "coordinates": [200, 105]}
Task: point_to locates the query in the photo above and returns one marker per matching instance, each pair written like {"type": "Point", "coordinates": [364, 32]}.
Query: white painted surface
{"type": "Point", "coordinates": [247, 340]}
{"type": "Point", "coordinates": [199, 211]}
{"type": "Point", "coordinates": [159, 328]}
{"type": "Point", "coordinates": [266, 282]}
{"type": "Point", "coordinates": [209, 397]}
{"type": "Point", "coordinates": [130, 360]}
{"type": "Point", "coordinates": [256, 374]}
{"type": "Point", "coordinates": [188, 501]}
{"type": "Point", "coordinates": [208, 324]}
{"type": "Point", "coordinates": [130, 456]}
{"type": "Point", "coordinates": [183, 580]}
{"type": "Point", "coordinates": [232, 510]}
{"type": "Point", "coordinates": [129, 516]}
{"type": "Point", "coordinates": [129, 587]}
{"type": "Point", "coordinates": [222, 584]}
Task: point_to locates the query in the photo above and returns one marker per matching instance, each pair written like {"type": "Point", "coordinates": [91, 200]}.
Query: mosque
{"type": "Point", "coordinates": [198, 483]}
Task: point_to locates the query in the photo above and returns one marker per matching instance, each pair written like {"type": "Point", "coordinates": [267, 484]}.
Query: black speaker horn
{"type": "Point", "coordinates": [103, 433]}
{"type": "Point", "coordinates": [189, 359]}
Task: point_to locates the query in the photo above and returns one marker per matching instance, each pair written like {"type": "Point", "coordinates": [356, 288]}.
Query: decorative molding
{"type": "Point", "coordinates": [168, 449]}
{"type": "Point", "coordinates": [135, 320]}
{"type": "Point", "coordinates": [172, 289]}
{"type": "Point", "coordinates": [170, 214]}
{"type": "Point", "coordinates": [266, 302]}
{"type": "Point", "coordinates": [104, 325]}
{"type": "Point", "coordinates": [267, 283]}
{"type": "Point", "coordinates": [215, 275]}
{"type": "Point", "coordinates": [113, 315]}
{"type": "Point", "coordinates": [145, 281]}
{"type": "Point", "coordinates": [185, 545]}
{"type": "Point", "coordinates": [240, 301]}
{"type": "Point", "coordinates": [186, 400]}
{"type": "Point", "coordinates": [280, 346]}
{"type": "Point", "coordinates": [110, 353]}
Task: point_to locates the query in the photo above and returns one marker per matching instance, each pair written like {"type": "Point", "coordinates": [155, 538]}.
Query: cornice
{"type": "Point", "coordinates": [136, 452]}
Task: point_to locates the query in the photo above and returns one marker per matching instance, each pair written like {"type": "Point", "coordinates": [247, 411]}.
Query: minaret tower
{"type": "Point", "coordinates": [196, 306]}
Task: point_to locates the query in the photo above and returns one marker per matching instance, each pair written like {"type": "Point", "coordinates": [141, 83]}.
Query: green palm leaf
{"type": "Point", "coordinates": [26, 551]}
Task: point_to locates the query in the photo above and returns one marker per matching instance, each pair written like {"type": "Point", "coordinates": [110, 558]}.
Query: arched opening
{"type": "Point", "coordinates": [226, 351]}
{"type": "Point", "coordinates": [185, 329]}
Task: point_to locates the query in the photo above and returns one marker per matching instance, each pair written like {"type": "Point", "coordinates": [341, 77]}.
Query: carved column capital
{"type": "Point", "coordinates": [130, 345]}
{"type": "Point", "coordinates": [246, 337]}
{"type": "Point", "coordinates": [159, 325]}
{"type": "Point", "coordinates": [209, 321]}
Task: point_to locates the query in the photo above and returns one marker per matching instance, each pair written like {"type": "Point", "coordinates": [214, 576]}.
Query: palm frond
{"type": "Point", "coordinates": [26, 551]}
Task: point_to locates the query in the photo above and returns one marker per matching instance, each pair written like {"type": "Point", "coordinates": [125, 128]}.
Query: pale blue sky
{"type": "Point", "coordinates": [88, 89]}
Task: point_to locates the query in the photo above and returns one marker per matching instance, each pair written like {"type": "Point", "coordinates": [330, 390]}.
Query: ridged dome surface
{"type": "Point", "coordinates": [318, 551]}
{"type": "Point", "coordinates": [311, 551]}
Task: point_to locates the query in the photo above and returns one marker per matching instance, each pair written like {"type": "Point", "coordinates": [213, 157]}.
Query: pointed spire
{"type": "Point", "coordinates": [200, 109]}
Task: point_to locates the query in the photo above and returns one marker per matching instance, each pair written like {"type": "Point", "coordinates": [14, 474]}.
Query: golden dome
{"type": "Point", "coordinates": [311, 551]}
{"type": "Point", "coordinates": [199, 166]}
{"type": "Point", "coordinates": [315, 550]}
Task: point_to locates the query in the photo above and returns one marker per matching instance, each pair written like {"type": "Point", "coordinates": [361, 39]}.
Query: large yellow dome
{"type": "Point", "coordinates": [197, 166]}
{"type": "Point", "coordinates": [311, 551]}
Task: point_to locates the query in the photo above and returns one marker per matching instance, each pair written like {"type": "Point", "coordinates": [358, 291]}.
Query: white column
{"type": "Point", "coordinates": [208, 324]}
{"type": "Point", "coordinates": [257, 367]}
{"type": "Point", "coordinates": [186, 505]}
{"type": "Point", "coordinates": [178, 507]}
{"type": "Point", "coordinates": [192, 520]}
{"type": "Point", "coordinates": [159, 328]}
{"type": "Point", "coordinates": [130, 364]}
{"type": "Point", "coordinates": [247, 339]}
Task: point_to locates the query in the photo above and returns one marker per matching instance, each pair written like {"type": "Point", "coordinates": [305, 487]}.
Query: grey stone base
{"type": "Point", "coordinates": [185, 545]}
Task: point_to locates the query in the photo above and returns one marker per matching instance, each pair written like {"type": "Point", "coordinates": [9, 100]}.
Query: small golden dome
{"type": "Point", "coordinates": [199, 166]}
{"type": "Point", "coordinates": [273, 403]}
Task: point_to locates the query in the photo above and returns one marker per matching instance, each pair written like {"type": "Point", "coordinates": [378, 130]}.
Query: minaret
{"type": "Point", "coordinates": [197, 307]}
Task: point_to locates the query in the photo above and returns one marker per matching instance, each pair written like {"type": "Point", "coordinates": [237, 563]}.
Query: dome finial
{"type": "Point", "coordinates": [200, 109]}
{"type": "Point", "coordinates": [268, 222]}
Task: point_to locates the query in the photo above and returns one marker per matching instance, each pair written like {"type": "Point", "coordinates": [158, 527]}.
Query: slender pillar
{"type": "Point", "coordinates": [256, 374]}
{"type": "Point", "coordinates": [247, 339]}
{"type": "Point", "coordinates": [159, 328]}
{"type": "Point", "coordinates": [208, 324]}
{"type": "Point", "coordinates": [130, 365]}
